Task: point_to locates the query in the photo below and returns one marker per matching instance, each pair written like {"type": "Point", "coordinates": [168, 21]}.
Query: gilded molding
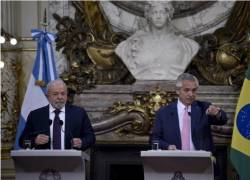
{"type": "Point", "coordinates": [9, 100]}
{"type": "Point", "coordinates": [134, 117]}
{"type": "Point", "coordinates": [223, 57]}
{"type": "Point", "coordinates": [26, 39]}
{"type": "Point", "coordinates": [89, 42]}
{"type": "Point", "coordinates": [17, 50]}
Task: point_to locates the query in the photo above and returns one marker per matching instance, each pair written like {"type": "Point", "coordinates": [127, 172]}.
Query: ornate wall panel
{"type": "Point", "coordinates": [213, 24]}
{"type": "Point", "coordinates": [9, 100]}
{"type": "Point", "coordinates": [89, 40]}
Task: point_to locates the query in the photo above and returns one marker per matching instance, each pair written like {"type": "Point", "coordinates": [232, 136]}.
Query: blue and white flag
{"type": "Point", "coordinates": [44, 70]}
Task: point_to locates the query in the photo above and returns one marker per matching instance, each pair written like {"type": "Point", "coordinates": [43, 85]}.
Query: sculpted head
{"type": "Point", "coordinates": [57, 93]}
{"type": "Point", "coordinates": [158, 13]}
{"type": "Point", "coordinates": [186, 88]}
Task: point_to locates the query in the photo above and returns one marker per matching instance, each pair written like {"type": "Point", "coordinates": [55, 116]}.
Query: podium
{"type": "Point", "coordinates": [49, 164]}
{"type": "Point", "coordinates": [177, 165]}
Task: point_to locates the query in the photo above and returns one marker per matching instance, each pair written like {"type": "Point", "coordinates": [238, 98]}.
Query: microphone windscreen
{"type": "Point", "coordinates": [50, 122]}
{"type": "Point", "coordinates": [61, 122]}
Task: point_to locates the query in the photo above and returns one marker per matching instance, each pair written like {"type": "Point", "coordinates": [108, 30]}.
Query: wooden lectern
{"type": "Point", "coordinates": [177, 165]}
{"type": "Point", "coordinates": [49, 164]}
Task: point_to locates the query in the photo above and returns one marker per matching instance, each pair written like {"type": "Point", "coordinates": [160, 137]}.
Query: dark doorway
{"type": "Point", "coordinates": [125, 172]}
{"type": "Point", "coordinates": [117, 162]}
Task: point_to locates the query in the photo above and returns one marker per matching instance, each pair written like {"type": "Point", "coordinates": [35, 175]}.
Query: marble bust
{"type": "Point", "coordinates": [156, 52]}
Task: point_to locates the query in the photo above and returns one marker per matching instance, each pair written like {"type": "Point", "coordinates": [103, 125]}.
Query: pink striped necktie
{"type": "Point", "coordinates": [185, 133]}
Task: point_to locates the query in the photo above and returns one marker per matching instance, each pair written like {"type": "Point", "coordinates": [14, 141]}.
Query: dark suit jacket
{"type": "Point", "coordinates": [77, 125]}
{"type": "Point", "coordinates": [167, 131]}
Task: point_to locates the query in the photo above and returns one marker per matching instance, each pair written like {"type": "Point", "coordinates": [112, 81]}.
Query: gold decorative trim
{"type": "Point", "coordinates": [88, 43]}
{"type": "Point", "coordinates": [5, 152]}
{"type": "Point", "coordinates": [134, 117]}
{"type": "Point", "coordinates": [26, 39]}
{"type": "Point", "coordinates": [15, 50]}
{"type": "Point", "coordinates": [222, 59]}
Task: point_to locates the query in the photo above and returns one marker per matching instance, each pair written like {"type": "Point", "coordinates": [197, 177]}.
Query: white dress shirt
{"type": "Point", "coordinates": [62, 117]}
{"type": "Point", "coordinates": [181, 109]}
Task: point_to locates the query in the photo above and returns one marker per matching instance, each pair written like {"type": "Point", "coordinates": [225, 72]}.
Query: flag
{"type": "Point", "coordinates": [44, 70]}
{"type": "Point", "coordinates": [240, 147]}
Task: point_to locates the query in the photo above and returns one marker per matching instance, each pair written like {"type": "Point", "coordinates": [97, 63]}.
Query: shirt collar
{"type": "Point", "coordinates": [52, 109]}
{"type": "Point", "coordinates": [182, 106]}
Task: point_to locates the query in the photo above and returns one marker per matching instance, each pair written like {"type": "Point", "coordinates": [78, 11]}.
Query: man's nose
{"type": "Point", "coordinates": [59, 96]}
{"type": "Point", "coordinates": [190, 93]}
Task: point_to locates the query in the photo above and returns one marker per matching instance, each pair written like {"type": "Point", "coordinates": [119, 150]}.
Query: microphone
{"type": "Point", "coordinates": [70, 134]}
{"type": "Point", "coordinates": [61, 122]}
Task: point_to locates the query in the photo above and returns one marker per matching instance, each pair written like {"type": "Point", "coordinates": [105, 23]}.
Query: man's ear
{"type": "Point", "coordinates": [177, 91]}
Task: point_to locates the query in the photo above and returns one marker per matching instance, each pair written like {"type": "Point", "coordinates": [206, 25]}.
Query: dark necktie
{"type": "Point", "coordinates": [57, 131]}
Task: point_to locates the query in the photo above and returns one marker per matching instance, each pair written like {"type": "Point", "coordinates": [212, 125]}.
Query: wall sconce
{"type": "Point", "coordinates": [6, 37]}
{"type": "Point", "coordinates": [1, 64]}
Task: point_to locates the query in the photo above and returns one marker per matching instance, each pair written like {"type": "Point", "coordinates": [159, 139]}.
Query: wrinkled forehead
{"type": "Point", "coordinates": [57, 87]}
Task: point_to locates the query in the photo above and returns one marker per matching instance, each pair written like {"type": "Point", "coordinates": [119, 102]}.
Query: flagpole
{"type": "Point", "coordinates": [44, 23]}
{"type": "Point", "coordinates": [44, 71]}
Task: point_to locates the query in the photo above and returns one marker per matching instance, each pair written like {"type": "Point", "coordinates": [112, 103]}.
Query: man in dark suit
{"type": "Point", "coordinates": [185, 124]}
{"type": "Point", "coordinates": [58, 125]}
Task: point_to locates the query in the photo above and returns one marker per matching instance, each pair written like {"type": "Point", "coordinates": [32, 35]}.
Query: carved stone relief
{"type": "Point", "coordinates": [63, 8]}
{"type": "Point", "coordinates": [190, 18]}
{"type": "Point", "coordinates": [88, 41]}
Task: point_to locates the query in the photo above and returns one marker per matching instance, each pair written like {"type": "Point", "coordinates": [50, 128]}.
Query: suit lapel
{"type": "Point", "coordinates": [175, 122]}
{"type": "Point", "coordinates": [46, 117]}
{"type": "Point", "coordinates": [195, 116]}
{"type": "Point", "coordinates": [66, 117]}
{"type": "Point", "coordinates": [68, 135]}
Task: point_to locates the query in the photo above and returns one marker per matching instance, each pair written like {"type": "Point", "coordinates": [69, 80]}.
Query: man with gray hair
{"type": "Point", "coordinates": [58, 125]}
{"type": "Point", "coordinates": [185, 124]}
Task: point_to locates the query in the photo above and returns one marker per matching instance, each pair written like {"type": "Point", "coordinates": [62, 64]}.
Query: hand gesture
{"type": "Point", "coordinates": [213, 110]}
{"type": "Point", "coordinates": [41, 139]}
{"type": "Point", "coordinates": [76, 143]}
